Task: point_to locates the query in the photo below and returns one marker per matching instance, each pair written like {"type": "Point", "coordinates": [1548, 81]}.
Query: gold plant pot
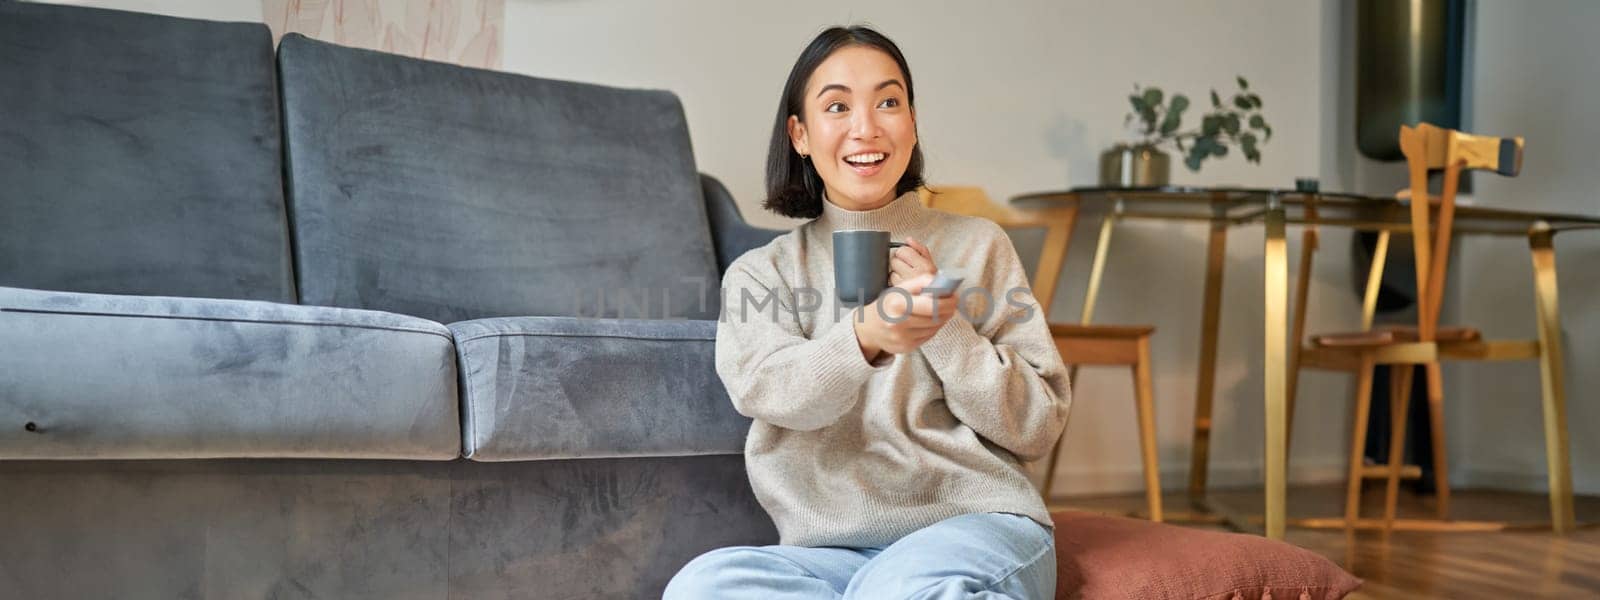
{"type": "Point", "coordinates": [1134, 166]}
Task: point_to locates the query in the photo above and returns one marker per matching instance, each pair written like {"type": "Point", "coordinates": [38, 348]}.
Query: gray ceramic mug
{"type": "Point", "coordinates": [861, 264]}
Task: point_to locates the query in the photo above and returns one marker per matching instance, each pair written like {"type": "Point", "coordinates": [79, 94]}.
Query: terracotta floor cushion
{"type": "Point", "coordinates": [1113, 557]}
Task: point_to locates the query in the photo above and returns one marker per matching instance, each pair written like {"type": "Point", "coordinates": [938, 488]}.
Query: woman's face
{"type": "Point", "coordinates": [858, 127]}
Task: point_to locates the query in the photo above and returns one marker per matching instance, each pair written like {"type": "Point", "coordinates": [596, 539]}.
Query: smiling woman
{"type": "Point", "coordinates": [887, 448]}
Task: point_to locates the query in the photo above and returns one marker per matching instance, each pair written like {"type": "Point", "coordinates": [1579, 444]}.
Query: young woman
{"type": "Point", "coordinates": [888, 440]}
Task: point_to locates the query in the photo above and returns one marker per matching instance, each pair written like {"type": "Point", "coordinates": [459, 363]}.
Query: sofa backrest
{"type": "Point", "coordinates": [452, 193]}
{"type": "Point", "coordinates": [140, 154]}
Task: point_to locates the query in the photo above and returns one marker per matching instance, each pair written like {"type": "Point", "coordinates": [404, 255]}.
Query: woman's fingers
{"type": "Point", "coordinates": [900, 265]}
{"type": "Point", "coordinates": [916, 256]}
{"type": "Point", "coordinates": [921, 249]}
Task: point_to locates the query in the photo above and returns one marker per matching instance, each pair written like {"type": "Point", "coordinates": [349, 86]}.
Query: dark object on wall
{"type": "Point", "coordinates": [1398, 288]}
{"type": "Point", "coordinates": [1408, 69]}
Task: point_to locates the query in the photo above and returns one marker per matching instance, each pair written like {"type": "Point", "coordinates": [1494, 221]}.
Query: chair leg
{"type": "Point", "coordinates": [1441, 466]}
{"type": "Point", "coordinates": [1358, 442]}
{"type": "Point", "coordinates": [1147, 429]}
{"type": "Point", "coordinates": [1399, 409]}
{"type": "Point", "coordinates": [1050, 469]}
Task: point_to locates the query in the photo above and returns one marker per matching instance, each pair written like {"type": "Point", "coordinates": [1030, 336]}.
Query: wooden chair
{"type": "Point", "coordinates": [1426, 147]}
{"type": "Point", "coordinates": [1079, 343]}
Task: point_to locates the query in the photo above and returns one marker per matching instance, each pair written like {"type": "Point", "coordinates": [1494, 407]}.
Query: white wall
{"type": "Point", "coordinates": [1021, 96]}
{"type": "Point", "coordinates": [1536, 75]}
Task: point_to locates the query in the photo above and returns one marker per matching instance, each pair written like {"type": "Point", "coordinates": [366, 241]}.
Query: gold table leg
{"type": "Point", "coordinates": [1276, 358]}
{"type": "Point", "coordinates": [1557, 450]}
{"type": "Point", "coordinates": [1097, 270]}
{"type": "Point", "coordinates": [1216, 258]}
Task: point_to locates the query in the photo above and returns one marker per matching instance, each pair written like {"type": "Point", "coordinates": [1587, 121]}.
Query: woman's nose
{"type": "Point", "coordinates": [864, 125]}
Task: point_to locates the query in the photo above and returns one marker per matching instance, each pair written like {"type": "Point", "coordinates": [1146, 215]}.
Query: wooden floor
{"type": "Point", "coordinates": [1514, 564]}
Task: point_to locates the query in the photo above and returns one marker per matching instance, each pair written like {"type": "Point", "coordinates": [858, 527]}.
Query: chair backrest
{"type": "Point", "coordinates": [973, 202]}
{"type": "Point", "coordinates": [140, 154]}
{"type": "Point", "coordinates": [451, 193]}
{"type": "Point", "coordinates": [1428, 147]}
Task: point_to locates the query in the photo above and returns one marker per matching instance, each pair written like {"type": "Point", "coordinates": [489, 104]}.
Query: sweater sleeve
{"type": "Point", "coordinates": [1007, 382]}
{"type": "Point", "coordinates": [772, 371]}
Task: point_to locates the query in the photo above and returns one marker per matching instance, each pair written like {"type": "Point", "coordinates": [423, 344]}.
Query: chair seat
{"type": "Point", "coordinates": [1074, 330]}
{"type": "Point", "coordinates": [1393, 335]}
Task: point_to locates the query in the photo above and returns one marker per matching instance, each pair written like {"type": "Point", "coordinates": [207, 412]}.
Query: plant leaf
{"type": "Point", "coordinates": [1215, 100]}
{"type": "Point", "coordinates": [1230, 124]}
{"type": "Point", "coordinates": [1219, 150]}
{"type": "Point", "coordinates": [1174, 114]}
{"type": "Point", "coordinates": [1243, 85]}
{"type": "Point", "coordinates": [1268, 129]}
{"type": "Point", "coordinates": [1152, 97]}
{"type": "Point", "coordinates": [1256, 122]}
{"type": "Point", "coordinates": [1194, 158]}
{"type": "Point", "coordinates": [1170, 123]}
{"type": "Point", "coordinates": [1209, 126]}
{"type": "Point", "coordinates": [1241, 102]}
{"type": "Point", "coordinates": [1137, 102]}
{"type": "Point", "coordinates": [1256, 100]}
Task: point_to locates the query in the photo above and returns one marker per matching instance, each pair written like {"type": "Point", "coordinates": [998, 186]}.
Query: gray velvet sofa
{"type": "Point", "coordinates": [330, 323]}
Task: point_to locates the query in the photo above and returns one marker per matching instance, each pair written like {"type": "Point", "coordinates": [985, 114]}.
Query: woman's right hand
{"type": "Point", "coordinates": [909, 324]}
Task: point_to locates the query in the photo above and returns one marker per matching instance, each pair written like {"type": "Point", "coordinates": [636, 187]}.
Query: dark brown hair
{"type": "Point", "coordinates": [794, 189]}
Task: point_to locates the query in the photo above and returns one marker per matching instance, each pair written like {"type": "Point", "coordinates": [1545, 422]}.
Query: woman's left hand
{"type": "Point", "coordinates": [910, 261]}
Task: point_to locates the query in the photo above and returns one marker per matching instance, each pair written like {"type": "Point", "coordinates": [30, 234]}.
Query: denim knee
{"type": "Point", "coordinates": [701, 577]}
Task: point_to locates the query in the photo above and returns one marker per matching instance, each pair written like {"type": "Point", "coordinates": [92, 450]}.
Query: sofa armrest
{"type": "Point", "coordinates": [731, 234]}
{"type": "Point", "coordinates": [561, 387]}
{"type": "Point", "coordinates": [92, 376]}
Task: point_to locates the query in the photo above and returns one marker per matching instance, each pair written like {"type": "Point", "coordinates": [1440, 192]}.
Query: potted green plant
{"type": "Point", "coordinates": [1158, 122]}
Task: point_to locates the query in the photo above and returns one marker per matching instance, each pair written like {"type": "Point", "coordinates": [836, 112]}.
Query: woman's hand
{"type": "Point", "coordinates": [909, 261]}
{"type": "Point", "coordinates": [896, 324]}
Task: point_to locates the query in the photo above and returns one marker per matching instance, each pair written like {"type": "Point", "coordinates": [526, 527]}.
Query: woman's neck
{"type": "Point", "coordinates": [903, 212]}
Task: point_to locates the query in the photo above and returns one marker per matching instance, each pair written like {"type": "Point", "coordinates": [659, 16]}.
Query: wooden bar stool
{"type": "Point", "coordinates": [1079, 343]}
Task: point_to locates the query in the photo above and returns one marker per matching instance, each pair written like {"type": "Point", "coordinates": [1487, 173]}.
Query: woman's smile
{"type": "Point", "coordinates": [866, 164]}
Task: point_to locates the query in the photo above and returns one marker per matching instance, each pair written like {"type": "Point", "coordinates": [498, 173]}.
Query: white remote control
{"type": "Point", "coordinates": [944, 283]}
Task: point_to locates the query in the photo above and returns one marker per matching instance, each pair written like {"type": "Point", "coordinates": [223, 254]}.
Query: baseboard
{"type": "Point", "coordinates": [1099, 482]}
{"type": "Point", "coordinates": [1501, 479]}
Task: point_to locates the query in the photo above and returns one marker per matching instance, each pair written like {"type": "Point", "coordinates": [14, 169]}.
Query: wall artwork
{"type": "Point", "coordinates": [463, 32]}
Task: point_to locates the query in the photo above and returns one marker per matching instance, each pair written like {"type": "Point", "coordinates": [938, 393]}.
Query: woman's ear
{"type": "Point", "coordinates": [797, 136]}
{"type": "Point", "coordinates": [914, 137]}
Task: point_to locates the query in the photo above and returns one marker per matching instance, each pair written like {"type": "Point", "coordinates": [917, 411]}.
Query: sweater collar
{"type": "Point", "coordinates": [902, 213]}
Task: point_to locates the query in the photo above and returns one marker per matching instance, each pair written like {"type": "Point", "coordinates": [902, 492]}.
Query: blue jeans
{"type": "Point", "coordinates": [985, 555]}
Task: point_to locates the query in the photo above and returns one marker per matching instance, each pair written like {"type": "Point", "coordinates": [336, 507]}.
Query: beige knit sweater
{"type": "Point", "coordinates": [847, 453]}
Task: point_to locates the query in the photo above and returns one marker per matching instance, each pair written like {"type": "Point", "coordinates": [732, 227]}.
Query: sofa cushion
{"type": "Point", "coordinates": [1100, 557]}
{"type": "Point", "coordinates": [562, 387]}
{"type": "Point", "coordinates": [140, 154]}
{"type": "Point", "coordinates": [451, 193]}
{"type": "Point", "coordinates": [94, 376]}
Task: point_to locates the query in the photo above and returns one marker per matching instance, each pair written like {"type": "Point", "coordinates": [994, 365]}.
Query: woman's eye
{"type": "Point", "coordinates": [835, 107]}
{"type": "Point", "coordinates": [889, 103]}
